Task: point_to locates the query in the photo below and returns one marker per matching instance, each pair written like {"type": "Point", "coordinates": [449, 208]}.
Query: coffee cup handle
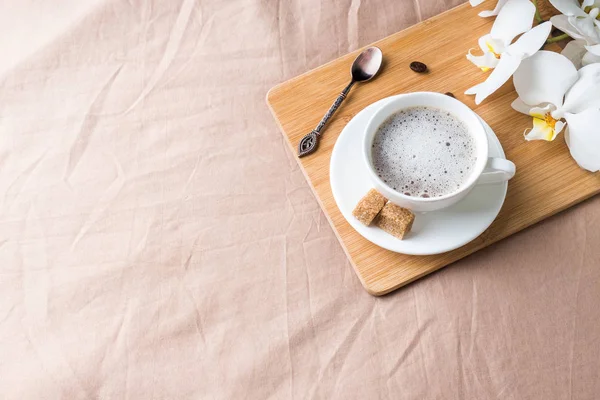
{"type": "Point", "coordinates": [497, 170]}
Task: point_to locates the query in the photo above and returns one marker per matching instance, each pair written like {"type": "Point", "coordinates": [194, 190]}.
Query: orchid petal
{"type": "Point", "coordinates": [583, 138]}
{"type": "Point", "coordinates": [520, 106]}
{"type": "Point", "coordinates": [594, 49]}
{"type": "Point", "coordinates": [590, 58]}
{"type": "Point", "coordinates": [544, 77]}
{"type": "Point", "coordinates": [541, 110]}
{"type": "Point", "coordinates": [516, 17]}
{"type": "Point", "coordinates": [562, 23]}
{"type": "Point", "coordinates": [483, 42]}
{"type": "Point", "coordinates": [585, 93]}
{"type": "Point", "coordinates": [495, 11]}
{"type": "Point", "coordinates": [491, 53]}
{"type": "Point", "coordinates": [586, 27]}
{"type": "Point", "coordinates": [568, 7]}
{"type": "Point", "coordinates": [590, 3]}
{"type": "Point", "coordinates": [487, 43]}
{"type": "Point", "coordinates": [506, 67]}
{"type": "Point", "coordinates": [474, 89]}
{"type": "Point", "coordinates": [543, 131]}
{"type": "Point", "coordinates": [544, 126]}
{"type": "Point", "coordinates": [485, 62]}
{"type": "Point", "coordinates": [475, 3]}
{"type": "Point", "coordinates": [531, 41]}
{"type": "Point", "coordinates": [558, 128]}
{"type": "Point", "coordinates": [574, 51]}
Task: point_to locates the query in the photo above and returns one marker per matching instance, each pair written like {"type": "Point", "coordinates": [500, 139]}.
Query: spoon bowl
{"type": "Point", "coordinates": [367, 64]}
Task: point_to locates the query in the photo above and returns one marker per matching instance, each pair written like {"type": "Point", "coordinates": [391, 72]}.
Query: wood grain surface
{"type": "Point", "coordinates": [547, 179]}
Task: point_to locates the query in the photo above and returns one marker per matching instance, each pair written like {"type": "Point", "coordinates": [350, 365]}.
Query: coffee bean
{"type": "Point", "coordinates": [418, 66]}
{"type": "Point", "coordinates": [450, 94]}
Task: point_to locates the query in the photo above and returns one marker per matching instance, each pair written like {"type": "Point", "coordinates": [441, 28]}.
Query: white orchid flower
{"type": "Point", "coordinates": [580, 21]}
{"type": "Point", "coordinates": [489, 13]}
{"type": "Point", "coordinates": [510, 59]}
{"type": "Point", "coordinates": [542, 82]}
{"type": "Point", "coordinates": [515, 18]}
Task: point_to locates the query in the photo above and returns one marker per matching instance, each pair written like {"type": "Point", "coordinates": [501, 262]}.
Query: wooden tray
{"type": "Point", "coordinates": [547, 179]}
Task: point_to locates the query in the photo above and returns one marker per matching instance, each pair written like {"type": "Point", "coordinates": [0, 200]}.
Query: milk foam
{"type": "Point", "coordinates": [423, 152]}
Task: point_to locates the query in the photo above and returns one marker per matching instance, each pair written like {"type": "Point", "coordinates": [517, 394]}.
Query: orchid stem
{"type": "Point", "coordinates": [557, 38]}
{"type": "Point", "coordinates": [538, 16]}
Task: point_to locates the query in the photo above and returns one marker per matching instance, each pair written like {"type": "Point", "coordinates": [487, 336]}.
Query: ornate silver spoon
{"type": "Point", "coordinates": [364, 67]}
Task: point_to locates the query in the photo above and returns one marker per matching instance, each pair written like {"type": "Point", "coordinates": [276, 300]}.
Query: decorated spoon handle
{"type": "Point", "coordinates": [309, 143]}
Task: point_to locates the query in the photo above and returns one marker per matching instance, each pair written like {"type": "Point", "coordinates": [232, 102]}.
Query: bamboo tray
{"type": "Point", "coordinates": [547, 179]}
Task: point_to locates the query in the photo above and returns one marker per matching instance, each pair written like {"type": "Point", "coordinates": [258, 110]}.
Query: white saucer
{"type": "Point", "coordinates": [433, 232]}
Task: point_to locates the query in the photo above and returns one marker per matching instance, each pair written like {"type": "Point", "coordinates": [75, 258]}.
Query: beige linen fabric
{"type": "Point", "coordinates": [158, 241]}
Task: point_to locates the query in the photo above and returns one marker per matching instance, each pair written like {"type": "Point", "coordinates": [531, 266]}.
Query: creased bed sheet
{"type": "Point", "coordinates": [158, 241]}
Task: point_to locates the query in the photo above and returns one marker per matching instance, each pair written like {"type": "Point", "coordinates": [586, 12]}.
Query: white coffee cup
{"type": "Point", "coordinates": [486, 169]}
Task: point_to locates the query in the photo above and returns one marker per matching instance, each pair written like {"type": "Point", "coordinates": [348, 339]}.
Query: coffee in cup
{"type": "Point", "coordinates": [424, 152]}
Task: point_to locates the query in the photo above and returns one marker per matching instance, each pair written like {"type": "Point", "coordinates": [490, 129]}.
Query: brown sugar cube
{"type": "Point", "coordinates": [395, 220]}
{"type": "Point", "coordinates": [367, 208]}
